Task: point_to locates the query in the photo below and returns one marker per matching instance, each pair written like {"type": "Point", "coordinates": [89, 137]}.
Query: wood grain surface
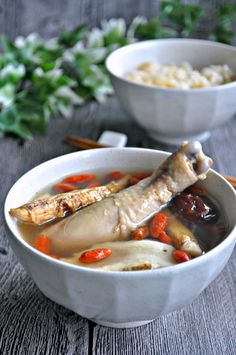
{"type": "Point", "coordinates": [32, 324]}
{"type": "Point", "coordinates": [21, 17]}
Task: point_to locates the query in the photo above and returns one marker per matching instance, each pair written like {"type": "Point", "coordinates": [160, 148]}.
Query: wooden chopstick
{"type": "Point", "coordinates": [231, 180]}
{"type": "Point", "coordinates": [84, 143]}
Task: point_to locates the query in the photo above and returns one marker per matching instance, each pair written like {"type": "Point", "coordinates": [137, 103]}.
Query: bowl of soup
{"type": "Point", "coordinates": [132, 280]}
{"type": "Point", "coordinates": [176, 89]}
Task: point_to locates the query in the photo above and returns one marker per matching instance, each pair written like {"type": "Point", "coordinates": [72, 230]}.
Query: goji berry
{"type": "Point", "coordinates": [180, 256]}
{"type": "Point", "coordinates": [94, 255]}
{"type": "Point", "coordinates": [79, 179]}
{"type": "Point", "coordinates": [164, 238]}
{"type": "Point", "coordinates": [139, 233]}
{"type": "Point", "coordinates": [158, 224]}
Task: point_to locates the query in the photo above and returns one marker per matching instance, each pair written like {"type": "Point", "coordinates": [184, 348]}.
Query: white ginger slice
{"type": "Point", "coordinates": [129, 256]}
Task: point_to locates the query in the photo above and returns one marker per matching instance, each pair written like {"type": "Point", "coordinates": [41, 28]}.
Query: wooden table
{"type": "Point", "coordinates": [32, 324]}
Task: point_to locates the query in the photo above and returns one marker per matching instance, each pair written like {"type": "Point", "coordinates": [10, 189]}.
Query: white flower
{"type": "Point", "coordinates": [51, 43]}
{"type": "Point", "coordinates": [16, 71]}
{"type": "Point", "coordinates": [66, 92]}
{"type": "Point", "coordinates": [39, 72]}
{"type": "Point", "coordinates": [68, 55]}
{"type": "Point", "coordinates": [114, 25]}
{"type": "Point", "coordinates": [20, 42]}
{"type": "Point", "coordinates": [95, 38]}
{"type": "Point", "coordinates": [33, 38]}
{"type": "Point", "coordinates": [7, 93]}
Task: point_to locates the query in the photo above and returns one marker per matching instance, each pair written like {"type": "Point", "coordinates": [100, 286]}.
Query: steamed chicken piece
{"type": "Point", "coordinates": [44, 210]}
{"type": "Point", "coordinates": [115, 217]}
{"type": "Point", "coordinates": [130, 256]}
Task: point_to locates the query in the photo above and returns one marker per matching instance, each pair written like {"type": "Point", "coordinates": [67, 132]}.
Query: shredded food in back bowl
{"type": "Point", "coordinates": [182, 76]}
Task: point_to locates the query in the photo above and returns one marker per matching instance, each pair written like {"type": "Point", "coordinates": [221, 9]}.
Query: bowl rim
{"type": "Point", "coordinates": [153, 42]}
{"type": "Point", "coordinates": [161, 271]}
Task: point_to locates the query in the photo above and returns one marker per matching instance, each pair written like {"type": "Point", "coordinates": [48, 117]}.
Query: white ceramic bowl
{"type": "Point", "coordinates": [117, 299]}
{"type": "Point", "coordinates": [172, 115]}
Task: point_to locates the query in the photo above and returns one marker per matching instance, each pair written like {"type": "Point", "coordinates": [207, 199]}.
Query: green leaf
{"type": "Point", "coordinates": [184, 18]}
{"type": "Point", "coordinates": [6, 44]}
{"type": "Point", "coordinates": [10, 123]}
{"type": "Point", "coordinates": [70, 38]}
{"type": "Point", "coordinates": [10, 52]}
{"type": "Point", "coordinates": [225, 16]}
{"type": "Point", "coordinates": [83, 92]}
{"type": "Point", "coordinates": [153, 30]}
{"type": "Point", "coordinates": [131, 32]}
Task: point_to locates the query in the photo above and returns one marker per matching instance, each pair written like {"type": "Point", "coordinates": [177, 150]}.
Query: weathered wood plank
{"type": "Point", "coordinates": [21, 17]}
{"type": "Point", "coordinates": [32, 324]}
{"type": "Point", "coordinates": [8, 10]}
{"type": "Point", "coordinates": [47, 17]}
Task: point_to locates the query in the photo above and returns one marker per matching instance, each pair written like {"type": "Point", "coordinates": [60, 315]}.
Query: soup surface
{"type": "Point", "coordinates": [192, 214]}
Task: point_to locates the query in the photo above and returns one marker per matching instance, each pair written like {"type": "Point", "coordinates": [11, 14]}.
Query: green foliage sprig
{"type": "Point", "coordinates": [40, 78]}
{"type": "Point", "coordinates": [225, 17]}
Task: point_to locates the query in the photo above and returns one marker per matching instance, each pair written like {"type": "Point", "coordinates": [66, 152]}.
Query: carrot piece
{"type": "Point", "coordinates": [64, 187]}
{"type": "Point", "coordinates": [79, 179]}
{"type": "Point", "coordinates": [180, 256]}
{"type": "Point", "coordinates": [93, 184]}
{"type": "Point", "coordinates": [164, 238]}
{"type": "Point", "coordinates": [133, 180]}
{"type": "Point", "coordinates": [116, 175]}
{"type": "Point", "coordinates": [139, 233]}
{"type": "Point", "coordinates": [43, 244]}
{"type": "Point", "coordinates": [94, 255]}
{"type": "Point", "coordinates": [158, 224]}
{"type": "Point", "coordinates": [142, 175]}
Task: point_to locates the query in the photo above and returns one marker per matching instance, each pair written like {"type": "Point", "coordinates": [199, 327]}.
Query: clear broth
{"type": "Point", "coordinates": [207, 234]}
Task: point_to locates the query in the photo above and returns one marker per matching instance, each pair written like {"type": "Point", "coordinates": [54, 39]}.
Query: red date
{"type": "Point", "coordinates": [194, 208]}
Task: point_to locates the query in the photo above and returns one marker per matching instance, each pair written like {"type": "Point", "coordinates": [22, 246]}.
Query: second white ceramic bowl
{"type": "Point", "coordinates": [172, 115]}
{"type": "Point", "coordinates": [117, 299]}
